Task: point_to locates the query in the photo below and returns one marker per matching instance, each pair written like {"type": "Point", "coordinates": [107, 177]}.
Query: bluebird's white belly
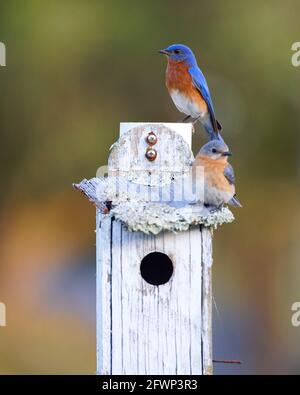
{"type": "Point", "coordinates": [185, 105]}
{"type": "Point", "coordinates": [215, 196]}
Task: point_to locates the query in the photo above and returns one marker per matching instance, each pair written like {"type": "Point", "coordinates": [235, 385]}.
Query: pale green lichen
{"type": "Point", "coordinates": [133, 207]}
{"type": "Point", "coordinates": [154, 217]}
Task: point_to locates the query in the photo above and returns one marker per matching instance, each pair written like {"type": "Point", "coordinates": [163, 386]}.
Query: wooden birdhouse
{"type": "Point", "coordinates": [154, 256]}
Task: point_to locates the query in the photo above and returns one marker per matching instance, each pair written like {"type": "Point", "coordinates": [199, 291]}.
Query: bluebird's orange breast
{"type": "Point", "coordinates": [214, 173]}
{"type": "Point", "coordinates": [179, 79]}
{"type": "Point", "coordinates": [177, 76]}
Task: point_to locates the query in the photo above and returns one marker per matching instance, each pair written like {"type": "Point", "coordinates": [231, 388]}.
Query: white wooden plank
{"type": "Point", "coordinates": [142, 343]}
{"type": "Point", "coordinates": [127, 282]}
{"type": "Point", "coordinates": [99, 313]}
{"type": "Point", "coordinates": [130, 300]}
{"type": "Point", "coordinates": [116, 295]}
{"type": "Point", "coordinates": [163, 335]}
{"type": "Point", "coordinates": [137, 317]}
{"type": "Point", "coordinates": [130, 304]}
{"type": "Point", "coordinates": [169, 311]}
{"type": "Point", "coordinates": [195, 301]}
{"type": "Point", "coordinates": [103, 292]}
{"type": "Point", "coordinates": [150, 315]}
{"type": "Point", "coordinates": [207, 301]}
{"type": "Point", "coordinates": [181, 284]}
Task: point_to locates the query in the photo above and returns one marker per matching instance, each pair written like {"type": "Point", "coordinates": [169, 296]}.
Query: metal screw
{"type": "Point", "coordinates": [151, 154]}
{"type": "Point", "coordinates": [151, 138]}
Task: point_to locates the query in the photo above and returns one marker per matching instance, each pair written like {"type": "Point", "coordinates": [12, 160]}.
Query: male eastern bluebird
{"type": "Point", "coordinates": [219, 178]}
{"type": "Point", "coordinates": [188, 88]}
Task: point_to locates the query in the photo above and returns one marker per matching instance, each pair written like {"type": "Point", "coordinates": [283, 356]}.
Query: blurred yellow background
{"type": "Point", "coordinates": [75, 69]}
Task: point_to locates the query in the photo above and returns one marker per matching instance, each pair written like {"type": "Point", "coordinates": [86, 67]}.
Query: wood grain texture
{"type": "Point", "coordinates": [207, 300]}
{"type": "Point", "coordinates": [146, 329]}
{"type": "Point", "coordinates": [103, 293]}
{"type": "Point", "coordinates": [184, 129]}
{"type": "Point", "coordinates": [174, 156]}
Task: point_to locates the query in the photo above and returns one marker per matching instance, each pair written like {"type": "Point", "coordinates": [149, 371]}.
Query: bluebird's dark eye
{"type": "Point", "coordinates": [177, 51]}
{"type": "Point", "coordinates": [214, 151]}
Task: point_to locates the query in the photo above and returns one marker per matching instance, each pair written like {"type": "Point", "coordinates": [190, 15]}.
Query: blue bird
{"type": "Point", "coordinates": [219, 179]}
{"type": "Point", "coordinates": [188, 88]}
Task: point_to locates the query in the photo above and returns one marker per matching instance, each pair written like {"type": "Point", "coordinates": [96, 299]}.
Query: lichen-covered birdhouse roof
{"type": "Point", "coordinates": [145, 170]}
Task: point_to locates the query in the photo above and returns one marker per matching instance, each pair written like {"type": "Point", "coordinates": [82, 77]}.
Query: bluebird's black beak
{"type": "Point", "coordinates": [228, 153]}
{"type": "Point", "coordinates": [163, 52]}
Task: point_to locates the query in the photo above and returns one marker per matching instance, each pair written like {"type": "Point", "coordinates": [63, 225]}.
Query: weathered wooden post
{"type": "Point", "coordinates": [154, 259]}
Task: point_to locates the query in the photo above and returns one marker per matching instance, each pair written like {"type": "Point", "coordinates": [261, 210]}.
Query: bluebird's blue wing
{"type": "Point", "coordinates": [200, 83]}
{"type": "Point", "coordinates": [229, 174]}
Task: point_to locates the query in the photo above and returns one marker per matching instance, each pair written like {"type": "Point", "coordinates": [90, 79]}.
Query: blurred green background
{"type": "Point", "coordinates": [75, 69]}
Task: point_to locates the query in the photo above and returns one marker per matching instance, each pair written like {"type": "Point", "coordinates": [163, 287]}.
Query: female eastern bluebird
{"type": "Point", "coordinates": [188, 88]}
{"type": "Point", "coordinates": [219, 179]}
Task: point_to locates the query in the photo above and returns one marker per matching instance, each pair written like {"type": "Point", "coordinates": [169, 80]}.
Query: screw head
{"type": "Point", "coordinates": [151, 138]}
{"type": "Point", "coordinates": [151, 154]}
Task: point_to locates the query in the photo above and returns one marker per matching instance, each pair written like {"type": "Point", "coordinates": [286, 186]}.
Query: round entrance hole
{"type": "Point", "coordinates": [156, 268]}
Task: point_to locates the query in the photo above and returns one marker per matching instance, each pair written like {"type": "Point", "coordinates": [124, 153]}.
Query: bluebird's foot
{"type": "Point", "coordinates": [216, 209]}
{"type": "Point", "coordinates": [185, 118]}
{"type": "Point", "coordinates": [196, 120]}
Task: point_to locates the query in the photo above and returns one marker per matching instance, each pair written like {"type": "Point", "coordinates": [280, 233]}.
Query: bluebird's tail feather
{"type": "Point", "coordinates": [235, 202]}
{"type": "Point", "coordinates": [212, 129]}
{"type": "Point", "coordinates": [216, 136]}
{"type": "Point", "coordinates": [217, 130]}
{"type": "Point", "coordinates": [213, 135]}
